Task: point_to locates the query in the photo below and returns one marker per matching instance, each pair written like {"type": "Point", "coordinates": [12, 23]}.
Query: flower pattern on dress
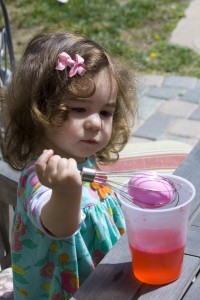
{"type": "Point", "coordinates": [58, 297]}
{"type": "Point", "coordinates": [121, 231]}
{"type": "Point", "coordinates": [97, 256]}
{"type": "Point", "coordinates": [47, 270]}
{"type": "Point", "coordinates": [23, 292]}
{"type": "Point", "coordinates": [70, 282]}
{"type": "Point", "coordinates": [20, 230]}
{"type": "Point", "coordinates": [63, 258]}
{"type": "Point", "coordinates": [102, 190]}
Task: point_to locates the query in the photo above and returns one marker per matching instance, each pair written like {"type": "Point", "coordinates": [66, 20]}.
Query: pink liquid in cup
{"type": "Point", "coordinates": [158, 266]}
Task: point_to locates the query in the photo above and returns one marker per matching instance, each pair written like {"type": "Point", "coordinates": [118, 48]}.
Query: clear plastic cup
{"type": "Point", "coordinates": [157, 237]}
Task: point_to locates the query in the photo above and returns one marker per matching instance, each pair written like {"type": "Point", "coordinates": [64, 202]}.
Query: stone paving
{"type": "Point", "coordinates": [169, 106]}
{"type": "Point", "coordinates": [168, 109]}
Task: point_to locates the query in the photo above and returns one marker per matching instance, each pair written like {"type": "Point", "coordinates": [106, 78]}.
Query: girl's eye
{"type": "Point", "coordinates": [78, 109]}
{"type": "Point", "coordinates": [105, 113]}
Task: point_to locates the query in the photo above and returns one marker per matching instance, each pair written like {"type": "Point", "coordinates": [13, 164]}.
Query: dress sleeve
{"type": "Point", "coordinates": [35, 196]}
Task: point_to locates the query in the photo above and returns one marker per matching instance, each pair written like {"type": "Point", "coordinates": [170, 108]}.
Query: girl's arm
{"type": "Point", "coordinates": [61, 215]}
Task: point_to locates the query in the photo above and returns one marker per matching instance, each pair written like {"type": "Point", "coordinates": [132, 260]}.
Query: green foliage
{"type": "Point", "coordinates": [137, 30]}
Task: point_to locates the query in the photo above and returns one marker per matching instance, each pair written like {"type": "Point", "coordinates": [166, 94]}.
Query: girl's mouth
{"type": "Point", "coordinates": [91, 142]}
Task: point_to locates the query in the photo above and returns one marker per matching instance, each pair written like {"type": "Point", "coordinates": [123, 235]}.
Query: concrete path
{"type": "Point", "coordinates": [169, 109]}
{"type": "Point", "coordinates": [170, 106]}
{"type": "Point", "coordinates": [187, 32]}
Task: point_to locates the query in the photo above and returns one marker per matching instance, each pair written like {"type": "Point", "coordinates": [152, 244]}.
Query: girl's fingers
{"type": "Point", "coordinates": [41, 162]}
{"type": "Point", "coordinates": [73, 169]}
{"type": "Point", "coordinates": [62, 168]}
{"type": "Point", "coordinates": [72, 165]}
{"type": "Point", "coordinates": [67, 168]}
{"type": "Point", "coordinates": [51, 170]}
{"type": "Point", "coordinates": [56, 172]}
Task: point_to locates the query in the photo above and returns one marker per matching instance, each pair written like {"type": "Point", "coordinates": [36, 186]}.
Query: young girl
{"type": "Point", "coordinates": [70, 106]}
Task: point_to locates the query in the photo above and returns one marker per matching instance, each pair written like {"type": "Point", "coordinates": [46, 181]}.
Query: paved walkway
{"type": "Point", "coordinates": [168, 109]}
{"type": "Point", "coordinates": [170, 106]}
{"type": "Point", "coordinates": [187, 31]}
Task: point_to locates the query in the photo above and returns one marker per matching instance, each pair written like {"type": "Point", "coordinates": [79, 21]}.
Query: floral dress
{"type": "Point", "coordinates": [47, 267]}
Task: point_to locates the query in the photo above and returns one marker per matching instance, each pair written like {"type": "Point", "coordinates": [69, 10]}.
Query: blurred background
{"type": "Point", "coordinates": [160, 39]}
{"type": "Point", "coordinates": [137, 30]}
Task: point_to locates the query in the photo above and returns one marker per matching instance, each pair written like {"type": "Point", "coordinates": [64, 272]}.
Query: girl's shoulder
{"type": "Point", "coordinates": [28, 173]}
{"type": "Point", "coordinates": [30, 166]}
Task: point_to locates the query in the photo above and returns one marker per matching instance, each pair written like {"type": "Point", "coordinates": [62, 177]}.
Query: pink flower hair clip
{"type": "Point", "coordinates": [76, 66]}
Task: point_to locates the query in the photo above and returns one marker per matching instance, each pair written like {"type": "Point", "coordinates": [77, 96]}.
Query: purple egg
{"type": "Point", "coordinates": [150, 190]}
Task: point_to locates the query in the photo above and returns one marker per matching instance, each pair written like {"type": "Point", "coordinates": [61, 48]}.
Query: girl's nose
{"type": "Point", "coordinates": [93, 122]}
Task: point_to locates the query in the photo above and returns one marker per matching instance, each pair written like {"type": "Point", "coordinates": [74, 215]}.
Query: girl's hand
{"type": "Point", "coordinates": [59, 174]}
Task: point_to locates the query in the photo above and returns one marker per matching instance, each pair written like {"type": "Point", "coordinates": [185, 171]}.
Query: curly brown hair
{"type": "Point", "coordinates": [34, 98]}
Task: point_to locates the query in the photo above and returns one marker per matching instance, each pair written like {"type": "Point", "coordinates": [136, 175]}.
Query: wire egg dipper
{"type": "Point", "coordinates": [144, 189]}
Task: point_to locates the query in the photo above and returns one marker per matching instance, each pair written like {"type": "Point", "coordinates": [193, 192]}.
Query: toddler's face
{"type": "Point", "coordinates": [88, 128]}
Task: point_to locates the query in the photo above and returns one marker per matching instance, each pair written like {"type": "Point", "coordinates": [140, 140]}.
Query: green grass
{"type": "Point", "coordinates": [136, 30]}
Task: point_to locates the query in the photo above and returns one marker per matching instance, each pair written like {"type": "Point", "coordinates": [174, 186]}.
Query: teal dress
{"type": "Point", "coordinates": [47, 267]}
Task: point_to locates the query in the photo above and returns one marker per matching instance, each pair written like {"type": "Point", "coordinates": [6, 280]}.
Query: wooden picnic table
{"type": "Point", "coordinates": [113, 278]}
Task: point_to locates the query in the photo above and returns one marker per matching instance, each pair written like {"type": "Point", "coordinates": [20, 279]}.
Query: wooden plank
{"type": "Point", "coordinates": [190, 169]}
{"type": "Point", "coordinates": [8, 197]}
{"type": "Point", "coordinates": [5, 262]}
{"type": "Point", "coordinates": [6, 216]}
{"type": "Point", "coordinates": [4, 226]}
{"type": "Point", "coordinates": [176, 289]}
{"type": "Point", "coordinates": [8, 184]}
{"type": "Point", "coordinates": [113, 279]}
{"type": "Point", "coordinates": [194, 291]}
{"type": "Point", "coordinates": [8, 172]}
{"type": "Point", "coordinates": [193, 241]}
{"type": "Point", "coordinates": [196, 221]}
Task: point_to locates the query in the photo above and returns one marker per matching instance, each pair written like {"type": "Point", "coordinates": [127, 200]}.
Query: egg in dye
{"type": "Point", "coordinates": [150, 190]}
